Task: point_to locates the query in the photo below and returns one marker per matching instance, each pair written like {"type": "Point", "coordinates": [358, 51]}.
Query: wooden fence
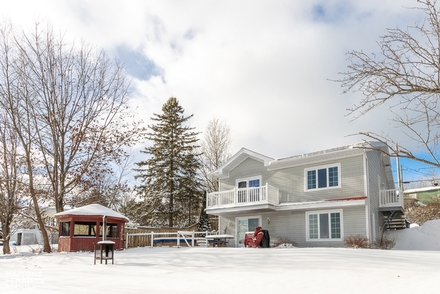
{"type": "Point", "coordinates": [141, 237]}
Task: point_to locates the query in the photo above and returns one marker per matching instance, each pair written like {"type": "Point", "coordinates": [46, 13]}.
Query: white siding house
{"type": "Point", "coordinates": [314, 199]}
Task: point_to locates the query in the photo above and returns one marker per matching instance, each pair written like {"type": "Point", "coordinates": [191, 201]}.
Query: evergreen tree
{"type": "Point", "coordinates": [204, 223]}
{"type": "Point", "coordinates": [169, 181]}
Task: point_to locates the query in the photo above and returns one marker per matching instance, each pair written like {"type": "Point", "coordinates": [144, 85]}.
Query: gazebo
{"type": "Point", "coordinates": [81, 228]}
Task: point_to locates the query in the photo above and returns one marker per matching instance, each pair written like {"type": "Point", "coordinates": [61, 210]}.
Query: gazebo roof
{"type": "Point", "coordinates": [92, 209]}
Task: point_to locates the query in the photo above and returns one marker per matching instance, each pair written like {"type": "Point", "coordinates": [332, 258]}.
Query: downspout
{"type": "Point", "coordinates": [218, 216]}
{"type": "Point", "coordinates": [368, 201]}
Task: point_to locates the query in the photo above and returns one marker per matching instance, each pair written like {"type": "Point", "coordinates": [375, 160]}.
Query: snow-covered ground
{"type": "Point", "coordinates": [413, 267]}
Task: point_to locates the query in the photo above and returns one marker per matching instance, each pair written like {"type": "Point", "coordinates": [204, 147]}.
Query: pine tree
{"type": "Point", "coordinates": [204, 223]}
{"type": "Point", "coordinates": [170, 184]}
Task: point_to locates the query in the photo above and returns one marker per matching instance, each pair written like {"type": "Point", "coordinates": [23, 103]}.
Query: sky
{"type": "Point", "coordinates": [411, 267]}
{"type": "Point", "coordinates": [263, 67]}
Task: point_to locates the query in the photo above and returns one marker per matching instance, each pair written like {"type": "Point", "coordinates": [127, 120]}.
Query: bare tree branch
{"type": "Point", "coordinates": [405, 77]}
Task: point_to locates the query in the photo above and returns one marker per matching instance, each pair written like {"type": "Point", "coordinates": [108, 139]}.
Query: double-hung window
{"type": "Point", "coordinates": [324, 225]}
{"type": "Point", "coordinates": [323, 177]}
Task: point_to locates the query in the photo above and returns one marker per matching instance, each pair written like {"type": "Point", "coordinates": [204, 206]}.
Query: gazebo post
{"type": "Point", "coordinates": [104, 227]}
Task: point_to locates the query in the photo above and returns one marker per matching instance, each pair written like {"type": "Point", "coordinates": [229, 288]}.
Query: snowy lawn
{"type": "Point", "coordinates": [225, 270]}
{"type": "Point", "coordinates": [415, 268]}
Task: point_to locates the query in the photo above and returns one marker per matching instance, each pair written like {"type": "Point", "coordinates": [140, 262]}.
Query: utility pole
{"type": "Point", "coordinates": [399, 170]}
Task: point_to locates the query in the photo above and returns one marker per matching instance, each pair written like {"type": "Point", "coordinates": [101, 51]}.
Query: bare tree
{"type": "Point", "coordinates": [215, 151]}
{"type": "Point", "coordinates": [16, 103]}
{"type": "Point", "coordinates": [80, 110]}
{"type": "Point", "coordinates": [405, 77]}
{"type": "Point", "coordinates": [68, 105]}
{"type": "Point", "coordinates": [10, 180]}
{"type": "Point", "coordinates": [112, 190]}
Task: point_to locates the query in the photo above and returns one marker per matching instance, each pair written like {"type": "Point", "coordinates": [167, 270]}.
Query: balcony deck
{"type": "Point", "coordinates": [391, 200]}
{"type": "Point", "coordinates": [243, 197]}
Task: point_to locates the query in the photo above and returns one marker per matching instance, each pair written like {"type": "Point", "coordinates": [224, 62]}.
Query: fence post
{"type": "Point", "coordinates": [152, 238]}
{"type": "Point", "coordinates": [126, 241]}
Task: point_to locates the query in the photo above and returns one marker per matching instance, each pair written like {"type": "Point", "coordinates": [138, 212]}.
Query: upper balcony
{"type": "Point", "coordinates": [243, 197]}
{"type": "Point", "coordinates": [391, 200]}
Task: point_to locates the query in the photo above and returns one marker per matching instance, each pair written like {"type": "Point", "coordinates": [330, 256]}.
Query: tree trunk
{"type": "Point", "coordinates": [41, 226]}
{"type": "Point", "coordinates": [6, 229]}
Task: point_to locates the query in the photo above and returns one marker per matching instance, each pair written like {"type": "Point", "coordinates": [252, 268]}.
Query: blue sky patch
{"type": "Point", "coordinates": [329, 13]}
{"type": "Point", "coordinates": [137, 64]}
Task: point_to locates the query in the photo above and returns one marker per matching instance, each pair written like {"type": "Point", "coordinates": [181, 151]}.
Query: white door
{"type": "Point", "coordinates": [246, 224]}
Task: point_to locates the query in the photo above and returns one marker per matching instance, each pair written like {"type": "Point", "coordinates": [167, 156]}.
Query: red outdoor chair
{"type": "Point", "coordinates": [254, 239]}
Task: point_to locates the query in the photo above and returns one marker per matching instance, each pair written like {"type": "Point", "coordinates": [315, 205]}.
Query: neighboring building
{"type": "Point", "coordinates": [424, 195]}
{"type": "Point", "coordinates": [314, 199]}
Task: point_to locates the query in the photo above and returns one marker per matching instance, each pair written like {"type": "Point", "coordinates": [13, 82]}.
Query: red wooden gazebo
{"type": "Point", "coordinates": [81, 228]}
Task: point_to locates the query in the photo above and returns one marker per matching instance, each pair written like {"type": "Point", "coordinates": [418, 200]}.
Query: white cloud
{"type": "Point", "coordinates": [262, 66]}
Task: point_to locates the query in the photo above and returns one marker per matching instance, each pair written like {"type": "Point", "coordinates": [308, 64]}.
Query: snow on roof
{"type": "Point", "coordinates": [424, 189]}
{"type": "Point", "coordinates": [92, 209]}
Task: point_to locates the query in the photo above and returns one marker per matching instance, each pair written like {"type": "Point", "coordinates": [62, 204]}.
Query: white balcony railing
{"type": "Point", "coordinates": [244, 196]}
{"type": "Point", "coordinates": [391, 198]}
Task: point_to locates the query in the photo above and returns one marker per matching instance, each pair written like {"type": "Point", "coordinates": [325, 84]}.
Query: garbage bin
{"type": "Point", "coordinates": [265, 242]}
{"type": "Point", "coordinates": [105, 250]}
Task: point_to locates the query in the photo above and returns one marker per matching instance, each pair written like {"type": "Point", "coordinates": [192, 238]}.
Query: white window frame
{"type": "Point", "coordinates": [247, 181]}
{"type": "Point", "coordinates": [318, 212]}
{"type": "Point", "coordinates": [316, 168]}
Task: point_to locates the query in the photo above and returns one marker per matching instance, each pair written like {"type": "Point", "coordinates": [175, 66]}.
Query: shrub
{"type": "Point", "coordinates": [419, 213]}
{"type": "Point", "coordinates": [283, 241]}
{"type": "Point", "coordinates": [357, 241]}
{"type": "Point", "coordinates": [386, 243]}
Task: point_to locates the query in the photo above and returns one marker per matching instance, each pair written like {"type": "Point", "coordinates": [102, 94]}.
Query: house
{"type": "Point", "coordinates": [424, 195]}
{"type": "Point", "coordinates": [314, 199]}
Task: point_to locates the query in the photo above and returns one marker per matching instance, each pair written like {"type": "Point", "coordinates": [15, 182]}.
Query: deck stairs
{"type": "Point", "coordinates": [395, 220]}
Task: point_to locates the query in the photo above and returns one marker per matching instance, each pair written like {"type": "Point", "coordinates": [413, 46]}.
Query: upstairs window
{"type": "Point", "coordinates": [322, 177]}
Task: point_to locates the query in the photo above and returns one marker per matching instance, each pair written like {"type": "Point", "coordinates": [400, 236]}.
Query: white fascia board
{"type": "Point", "coordinates": [235, 209]}
{"type": "Point", "coordinates": [319, 205]}
{"type": "Point", "coordinates": [286, 207]}
{"type": "Point", "coordinates": [316, 159]}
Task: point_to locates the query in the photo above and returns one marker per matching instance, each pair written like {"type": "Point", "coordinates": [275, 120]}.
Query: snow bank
{"type": "Point", "coordinates": [425, 237]}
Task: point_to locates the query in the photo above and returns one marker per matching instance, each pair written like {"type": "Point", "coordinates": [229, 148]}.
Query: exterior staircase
{"type": "Point", "coordinates": [394, 221]}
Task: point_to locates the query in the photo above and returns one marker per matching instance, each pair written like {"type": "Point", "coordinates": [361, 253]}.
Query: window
{"type": "Point", "coordinates": [249, 189]}
{"type": "Point", "coordinates": [324, 225]}
{"type": "Point", "coordinates": [65, 229]}
{"type": "Point", "coordinates": [84, 229]}
{"type": "Point", "coordinates": [322, 177]}
{"type": "Point", "coordinates": [112, 231]}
